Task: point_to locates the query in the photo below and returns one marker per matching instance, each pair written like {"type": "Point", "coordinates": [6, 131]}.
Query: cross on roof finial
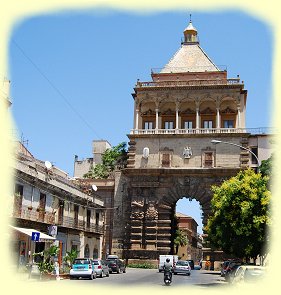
{"type": "Point", "coordinates": [190, 17]}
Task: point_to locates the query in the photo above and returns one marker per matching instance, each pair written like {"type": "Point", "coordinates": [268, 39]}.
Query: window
{"type": "Point", "coordinates": [166, 160]}
{"type": "Point", "coordinates": [169, 125]}
{"type": "Point", "coordinates": [76, 209]}
{"type": "Point", "coordinates": [42, 201]}
{"type": "Point", "coordinates": [228, 124]}
{"type": "Point", "coordinates": [208, 159]}
{"type": "Point", "coordinates": [97, 218]}
{"type": "Point", "coordinates": [253, 158]}
{"type": "Point", "coordinates": [88, 218]}
{"type": "Point", "coordinates": [148, 125]}
{"type": "Point", "coordinates": [61, 209]}
{"type": "Point", "coordinates": [208, 124]}
{"type": "Point", "coordinates": [188, 125]}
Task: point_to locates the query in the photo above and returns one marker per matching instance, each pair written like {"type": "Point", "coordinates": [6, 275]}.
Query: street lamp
{"type": "Point", "coordinates": [214, 141]}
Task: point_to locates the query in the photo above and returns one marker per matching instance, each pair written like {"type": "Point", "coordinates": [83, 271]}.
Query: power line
{"type": "Point", "coordinates": [55, 88]}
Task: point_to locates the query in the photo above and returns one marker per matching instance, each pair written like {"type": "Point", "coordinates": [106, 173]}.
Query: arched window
{"type": "Point", "coordinates": [95, 253]}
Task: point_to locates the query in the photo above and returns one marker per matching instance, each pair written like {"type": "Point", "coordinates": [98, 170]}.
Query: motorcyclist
{"type": "Point", "coordinates": [168, 268]}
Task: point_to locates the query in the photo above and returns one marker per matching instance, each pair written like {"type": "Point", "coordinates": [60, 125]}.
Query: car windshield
{"type": "Point", "coordinates": [183, 263]}
{"type": "Point", "coordinates": [82, 261]}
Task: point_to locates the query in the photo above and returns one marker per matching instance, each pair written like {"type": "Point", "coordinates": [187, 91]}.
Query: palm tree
{"type": "Point", "coordinates": [180, 239]}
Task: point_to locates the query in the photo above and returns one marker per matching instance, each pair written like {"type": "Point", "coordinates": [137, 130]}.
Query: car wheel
{"type": "Point", "coordinates": [118, 270]}
{"type": "Point", "coordinates": [101, 274]}
{"type": "Point", "coordinates": [124, 271]}
{"type": "Point", "coordinates": [92, 276]}
{"type": "Point", "coordinates": [107, 274]}
{"type": "Point", "coordinates": [188, 274]}
{"type": "Point", "coordinates": [110, 271]}
{"type": "Point", "coordinates": [175, 273]}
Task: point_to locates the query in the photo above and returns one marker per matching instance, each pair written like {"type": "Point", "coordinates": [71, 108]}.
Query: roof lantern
{"type": "Point", "coordinates": [190, 34]}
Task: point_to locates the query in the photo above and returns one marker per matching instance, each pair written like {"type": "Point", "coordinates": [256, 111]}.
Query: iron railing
{"type": "Point", "coordinates": [32, 214]}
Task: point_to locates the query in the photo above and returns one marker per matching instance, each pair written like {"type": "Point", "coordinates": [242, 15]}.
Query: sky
{"type": "Point", "coordinates": [72, 73]}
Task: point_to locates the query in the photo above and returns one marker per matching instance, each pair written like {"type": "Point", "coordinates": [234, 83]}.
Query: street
{"type": "Point", "coordinates": [151, 277]}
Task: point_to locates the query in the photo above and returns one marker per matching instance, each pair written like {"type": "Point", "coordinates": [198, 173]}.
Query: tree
{"type": "Point", "coordinates": [240, 215]}
{"type": "Point", "coordinates": [266, 167]}
{"type": "Point", "coordinates": [115, 157]}
{"type": "Point", "coordinates": [180, 239]}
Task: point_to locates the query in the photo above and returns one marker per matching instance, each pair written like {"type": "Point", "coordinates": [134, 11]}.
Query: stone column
{"type": "Point", "coordinates": [177, 115]}
{"type": "Point", "coordinates": [156, 119]}
{"type": "Point", "coordinates": [238, 117]}
{"type": "Point", "coordinates": [197, 118]}
{"type": "Point", "coordinates": [137, 119]}
{"type": "Point", "coordinates": [218, 118]}
{"type": "Point", "coordinates": [82, 243]}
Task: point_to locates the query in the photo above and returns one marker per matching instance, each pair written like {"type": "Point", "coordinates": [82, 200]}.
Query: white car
{"type": "Point", "coordinates": [182, 266]}
{"type": "Point", "coordinates": [248, 274]}
{"type": "Point", "coordinates": [82, 268]}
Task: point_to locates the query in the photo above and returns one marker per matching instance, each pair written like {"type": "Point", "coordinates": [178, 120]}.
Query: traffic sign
{"type": "Point", "coordinates": [35, 236]}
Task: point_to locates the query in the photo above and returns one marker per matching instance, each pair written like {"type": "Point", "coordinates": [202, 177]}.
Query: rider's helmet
{"type": "Point", "coordinates": [168, 260]}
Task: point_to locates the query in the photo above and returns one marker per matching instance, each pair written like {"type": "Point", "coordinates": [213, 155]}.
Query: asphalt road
{"type": "Point", "coordinates": [151, 277]}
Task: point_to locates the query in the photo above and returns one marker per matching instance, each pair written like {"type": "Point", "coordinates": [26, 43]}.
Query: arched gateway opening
{"type": "Point", "coordinates": [146, 201]}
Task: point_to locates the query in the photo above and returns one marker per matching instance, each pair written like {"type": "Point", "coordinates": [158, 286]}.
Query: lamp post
{"type": "Point", "coordinates": [214, 141]}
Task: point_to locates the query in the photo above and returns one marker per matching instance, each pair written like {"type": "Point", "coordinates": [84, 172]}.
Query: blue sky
{"type": "Point", "coordinates": [72, 74]}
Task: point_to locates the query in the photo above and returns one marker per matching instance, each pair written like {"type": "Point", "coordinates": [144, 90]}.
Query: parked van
{"type": "Point", "coordinates": [162, 260]}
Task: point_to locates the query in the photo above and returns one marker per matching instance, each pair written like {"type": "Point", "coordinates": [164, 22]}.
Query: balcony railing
{"type": "Point", "coordinates": [232, 81]}
{"type": "Point", "coordinates": [32, 214]}
{"type": "Point", "coordinates": [255, 131]}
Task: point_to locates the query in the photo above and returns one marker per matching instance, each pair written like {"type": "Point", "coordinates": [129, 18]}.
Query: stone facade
{"type": "Point", "coordinates": [188, 103]}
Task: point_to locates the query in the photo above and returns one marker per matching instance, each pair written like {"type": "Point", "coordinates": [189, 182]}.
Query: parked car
{"type": "Point", "coordinates": [182, 266]}
{"type": "Point", "coordinates": [83, 268]}
{"type": "Point", "coordinates": [101, 268]}
{"type": "Point", "coordinates": [229, 274]}
{"type": "Point", "coordinates": [231, 267]}
{"type": "Point", "coordinates": [248, 274]}
{"type": "Point", "coordinates": [116, 265]}
{"type": "Point", "coordinates": [227, 264]}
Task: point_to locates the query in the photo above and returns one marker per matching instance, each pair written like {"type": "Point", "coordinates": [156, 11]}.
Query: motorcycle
{"type": "Point", "coordinates": [167, 278]}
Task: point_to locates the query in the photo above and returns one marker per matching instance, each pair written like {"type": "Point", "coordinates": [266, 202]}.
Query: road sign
{"type": "Point", "coordinates": [35, 236]}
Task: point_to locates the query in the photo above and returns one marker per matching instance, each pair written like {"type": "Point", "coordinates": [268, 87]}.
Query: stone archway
{"type": "Point", "coordinates": [146, 199]}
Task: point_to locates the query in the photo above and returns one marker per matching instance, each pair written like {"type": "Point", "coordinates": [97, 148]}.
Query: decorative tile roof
{"type": "Point", "coordinates": [190, 58]}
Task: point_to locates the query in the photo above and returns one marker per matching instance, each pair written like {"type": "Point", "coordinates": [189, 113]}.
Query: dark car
{"type": "Point", "coordinates": [191, 263]}
{"type": "Point", "coordinates": [232, 266]}
{"type": "Point", "coordinates": [230, 272]}
{"type": "Point", "coordinates": [116, 265]}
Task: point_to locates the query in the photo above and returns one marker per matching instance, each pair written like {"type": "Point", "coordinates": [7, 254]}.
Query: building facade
{"type": "Point", "coordinates": [193, 248]}
{"type": "Point", "coordinates": [187, 105]}
{"type": "Point", "coordinates": [47, 201]}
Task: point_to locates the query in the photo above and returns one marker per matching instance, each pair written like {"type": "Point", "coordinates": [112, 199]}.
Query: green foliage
{"type": "Point", "coordinates": [70, 256]}
{"type": "Point", "coordinates": [240, 215]}
{"type": "Point", "coordinates": [142, 265]}
{"type": "Point", "coordinates": [115, 157]}
{"type": "Point", "coordinates": [180, 239]}
{"type": "Point", "coordinates": [47, 265]}
{"type": "Point", "coordinates": [266, 167]}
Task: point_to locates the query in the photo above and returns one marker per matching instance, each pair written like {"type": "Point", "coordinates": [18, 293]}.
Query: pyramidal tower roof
{"type": "Point", "coordinates": [190, 57]}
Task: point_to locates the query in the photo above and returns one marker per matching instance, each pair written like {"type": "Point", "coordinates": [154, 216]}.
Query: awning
{"type": "Point", "coordinates": [29, 231]}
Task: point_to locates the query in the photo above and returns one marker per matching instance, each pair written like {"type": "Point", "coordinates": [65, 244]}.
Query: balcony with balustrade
{"type": "Point", "coordinates": [38, 215]}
